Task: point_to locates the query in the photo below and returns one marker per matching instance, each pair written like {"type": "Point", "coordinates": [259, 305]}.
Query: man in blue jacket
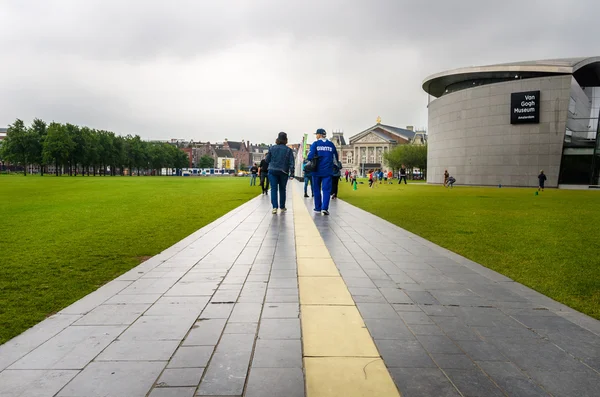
{"type": "Point", "coordinates": [321, 178]}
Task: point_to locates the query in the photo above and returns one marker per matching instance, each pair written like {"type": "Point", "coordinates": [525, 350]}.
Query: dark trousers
{"type": "Point", "coordinates": [400, 179]}
{"type": "Point", "coordinates": [334, 185]}
{"type": "Point", "coordinates": [264, 179]}
{"type": "Point", "coordinates": [278, 184]}
{"type": "Point", "coordinates": [307, 181]}
{"type": "Point", "coordinates": [321, 182]}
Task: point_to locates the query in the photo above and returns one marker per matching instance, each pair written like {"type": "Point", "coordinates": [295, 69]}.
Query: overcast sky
{"type": "Point", "coordinates": [209, 70]}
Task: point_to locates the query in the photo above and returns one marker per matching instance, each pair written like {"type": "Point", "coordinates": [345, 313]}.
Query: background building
{"type": "Point", "coordinates": [502, 124]}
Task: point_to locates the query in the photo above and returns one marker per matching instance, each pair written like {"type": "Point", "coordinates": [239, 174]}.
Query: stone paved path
{"type": "Point", "coordinates": [218, 314]}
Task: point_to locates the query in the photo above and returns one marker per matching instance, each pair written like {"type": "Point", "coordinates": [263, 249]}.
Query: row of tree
{"type": "Point", "coordinates": [70, 148]}
{"type": "Point", "coordinates": [411, 156]}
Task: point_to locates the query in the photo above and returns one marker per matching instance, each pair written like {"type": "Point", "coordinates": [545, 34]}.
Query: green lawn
{"type": "Point", "coordinates": [549, 242]}
{"type": "Point", "coordinates": [62, 238]}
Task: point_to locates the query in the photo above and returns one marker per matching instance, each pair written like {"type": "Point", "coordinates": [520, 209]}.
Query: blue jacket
{"type": "Point", "coordinates": [306, 173]}
{"type": "Point", "coordinates": [326, 152]}
{"type": "Point", "coordinates": [281, 158]}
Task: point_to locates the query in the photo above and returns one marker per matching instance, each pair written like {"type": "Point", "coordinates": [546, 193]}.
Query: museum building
{"type": "Point", "coordinates": [502, 124]}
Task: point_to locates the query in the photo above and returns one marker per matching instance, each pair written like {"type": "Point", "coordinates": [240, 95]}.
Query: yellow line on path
{"type": "Point", "coordinates": [340, 357]}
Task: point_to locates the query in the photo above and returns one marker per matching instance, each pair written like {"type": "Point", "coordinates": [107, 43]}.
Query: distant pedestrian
{"type": "Point", "coordinates": [335, 180]}
{"type": "Point", "coordinates": [347, 173]}
{"type": "Point", "coordinates": [451, 182]}
{"type": "Point", "coordinates": [263, 173]}
{"type": "Point", "coordinates": [281, 168]}
{"type": "Point", "coordinates": [542, 180]}
{"type": "Point", "coordinates": [307, 180]}
{"type": "Point", "coordinates": [253, 173]}
{"type": "Point", "coordinates": [380, 176]}
{"type": "Point", "coordinates": [370, 178]}
{"type": "Point", "coordinates": [446, 175]}
{"type": "Point", "coordinates": [390, 176]}
{"type": "Point", "coordinates": [402, 175]}
{"type": "Point", "coordinates": [385, 177]}
{"type": "Point", "coordinates": [326, 152]}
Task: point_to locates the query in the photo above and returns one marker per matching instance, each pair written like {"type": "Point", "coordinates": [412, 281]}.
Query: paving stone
{"type": "Point", "coordinates": [455, 329]}
{"type": "Point", "coordinates": [360, 282]}
{"type": "Point", "coordinates": [395, 295]}
{"type": "Point", "coordinates": [384, 328]}
{"type": "Point", "coordinates": [217, 310]}
{"type": "Point", "coordinates": [225, 296]}
{"type": "Point", "coordinates": [422, 297]}
{"type": "Point", "coordinates": [511, 379]}
{"type": "Point", "coordinates": [240, 328]}
{"type": "Point", "coordinates": [73, 348]}
{"type": "Point", "coordinates": [376, 310]}
{"type": "Point", "coordinates": [139, 350]}
{"type": "Point", "coordinates": [133, 299]}
{"type": "Point", "coordinates": [180, 377]}
{"type": "Point", "coordinates": [150, 286]}
{"type": "Point", "coordinates": [246, 312]}
{"type": "Point", "coordinates": [159, 328]}
{"type": "Point", "coordinates": [456, 361]}
{"type": "Point", "coordinates": [422, 382]}
{"type": "Point", "coordinates": [481, 351]}
{"type": "Point", "coordinates": [425, 329]}
{"type": "Point", "coordinates": [281, 310]}
{"type": "Point", "coordinates": [226, 374]}
{"type": "Point", "coordinates": [115, 379]}
{"type": "Point", "coordinates": [436, 310]}
{"type": "Point", "coordinates": [415, 318]}
{"type": "Point", "coordinates": [205, 332]}
{"type": "Point", "coordinates": [113, 314]}
{"type": "Point", "coordinates": [191, 357]}
{"type": "Point", "coordinates": [291, 282]}
{"type": "Point", "coordinates": [235, 342]}
{"type": "Point", "coordinates": [367, 295]}
{"type": "Point", "coordinates": [283, 273]}
{"type": "Point", "coordinates": [275, 382]}
{"type": "Point", "coordinates": [258, 277]}
{"type": "Point", "coordinates": [173, 392]}
{"type": "Point", "coordinates": [277, 354]}
{"type": "Point", "coordinates": [280, 328]}
{"type": "Point", "coordinates": [39, 383]}
{"type": "Point", "coordinates": [404, 353]}
{"type": "Point", "coordinates": [568, 383]}
{"type": "Point", "coordinates": [438, 344]}
{"type": "Point", "coordinates": [473, 382]}
{"type": "Point", "coordinates": [385, 283]}
{"type": "Point", "coordinates": [192, 288]}
{"type": "Point", "coordinates": [406, 307]}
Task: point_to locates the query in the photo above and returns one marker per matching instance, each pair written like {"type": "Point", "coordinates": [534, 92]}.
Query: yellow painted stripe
{"type": "Point", "coordinates": [340, 357]}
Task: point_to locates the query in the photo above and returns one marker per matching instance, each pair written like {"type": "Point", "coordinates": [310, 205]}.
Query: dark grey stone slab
{"type": "Point", "coordinates": [159, 328]}
{"type": "Point", "coordinates": [205, 332]}
{"type": "Point", "coordinates": [438, 344]}
{"type": "Point", "coordinates": [113, 314]}
{"type": "Point", "coordinates": [455, 361]}
{"type": "Point", "coordinates": [405, 353]}
{"type": "Point", "coordinates": [226, 374]}
{"type": "Point", "coordinates": [366, 295]}
{"type": "Point", "coordinates": [235, 342]}
{"type": "Point", "coordinates": [360, 282]}
{"type": "Point", "coordinates": [191, 357]}
{"type": "Point", "coordinates": [281, 310]}
{"type": "Point", "coordinates": [473, 382]}
{"type": "Point", "coordinates": [568, 383]}
{"type": "Point", "coordinates": [383, 328]}
{"type": "Point", "coordinates": [376, 273]}
{"type": "Point", "coordinates": [406, 307]}
{"type": "Point", "coordinates": [422, 382]}
{"type": "Point", "coordinates": [415, 318]}
{"type": "Point", "coordinates": [180, 377]}
{"type": "Point", "coordinates": [385, 283]}
{"type": "Point", "coordinates": [41, 383]}
{"type": "Point", "coordinates": [425, 329]}
{"type": "Point", "coordinates": [275, 382]}
{"type": "Point", "coordinates": [481, 351]}
{"type": "Point", "coordinates": [289, 282]}
{"type": "Point", "coordinates": [139, 350]}
{"type": "Point", "coordinates": [376, 310]}
{"type": "Point", "coordinates": [277, 354]}
{"type": "Point", "coordinates": [436, 310]}
{"type": "Point", "coordinates": [280, 328]}
{"type": "Point", "coordinates": [455, 329]}
{"type": "Point", "coordinates": [225, 296]}
{"type": "Point", "coordinates": [283, 273]}
{"type": "Point", "coordinates": [422, 297]}
{"type": "Point", "coordinates": [511, 379]}
{"type": "Point", "coordinates": [395, 295]}
{"type": "Point", "coordinates": [240, 328]}
{"type": "Point", "coordinates": [115, 379]}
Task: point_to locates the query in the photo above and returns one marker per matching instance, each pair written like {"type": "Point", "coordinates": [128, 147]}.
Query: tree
{"type": "Point", "coordinates": [206, 162]}
{"type": "Point", "coordinates": [19, 144]}
{"type": "Point", "coordinates": [58, 145]}
{"type": "Point", "coordinates": [411, 156]}
{"type": "Point", "coordinates": [38, 131]}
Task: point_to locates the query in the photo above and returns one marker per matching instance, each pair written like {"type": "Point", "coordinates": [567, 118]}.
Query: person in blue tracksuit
{"type": "Point", "coordinates": [321, 178]}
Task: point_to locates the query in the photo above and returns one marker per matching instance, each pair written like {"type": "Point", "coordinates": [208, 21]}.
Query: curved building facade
{"type": "Point", "coordinates": [502, 124]}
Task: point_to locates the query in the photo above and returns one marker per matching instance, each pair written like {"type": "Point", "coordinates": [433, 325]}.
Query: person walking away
{"type": "Point", "coordinates": [335, 181]}
{"type": "Point", "coordinates": [402, 175]}
{"type": "Point", "coordinates": [542, 179]}
{"type": "Point", "coordinates": [446, 175]}
{"type": "Point", "coordinates": [263, 174]}
{"type": "Point", "coordinates": [385, 177]}
{"type": "Point", "coordinates": [281, 168]}
{"type": "Point", "coordinates": [307, 180]}
{"type": "Point", "coordinates": [370, 178]}
{"type": "Point", "coordinates": [390, 176]}
{"type": "Point", "coordinates": [380, 176]}
{"type": "Point", "coordinates": [326, 152]}
{"type": "Point", "coordinates": [253, 173]}
{"type": "Point", "coordinates": [347, 173]}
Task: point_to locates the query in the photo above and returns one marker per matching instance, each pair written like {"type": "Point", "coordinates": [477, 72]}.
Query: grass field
{"type": "Point", "coordinates": [61, 238]}
{"type": "Point", "coordinates": [549, 242]}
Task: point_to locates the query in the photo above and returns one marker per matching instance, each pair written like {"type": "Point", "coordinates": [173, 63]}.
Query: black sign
{"type": "Point", "coordinates": [525, 107]}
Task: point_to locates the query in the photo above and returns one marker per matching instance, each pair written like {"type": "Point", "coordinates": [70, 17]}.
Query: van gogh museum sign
{"type": "Point", "coordinates": [525, 107]}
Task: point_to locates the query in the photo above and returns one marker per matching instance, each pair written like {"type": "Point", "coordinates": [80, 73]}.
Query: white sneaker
{"type": "Point", "coordinates": [274, 211]}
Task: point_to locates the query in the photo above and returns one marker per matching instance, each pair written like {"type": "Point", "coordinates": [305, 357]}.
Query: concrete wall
{"type": "Point", "coordinates": [470, 135]}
